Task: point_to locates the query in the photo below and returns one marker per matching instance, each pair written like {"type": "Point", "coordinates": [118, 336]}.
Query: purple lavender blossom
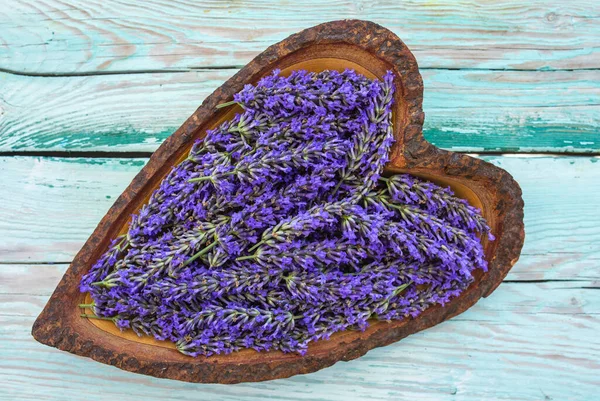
{"type": "Point", "coordinates": [279, 230]}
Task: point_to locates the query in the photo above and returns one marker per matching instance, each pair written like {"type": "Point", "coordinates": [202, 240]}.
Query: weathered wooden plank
{"type": "Point", "coordinates": [478, 111]}
{"type": "Point", "coordinates": [528, 341]}
{"type": "Point", "coordinates": [88, 36]}
{"type": "Point", "coordinates": [49, 206]}
{"type": "Point", "coordinates": [36, 194]}
{"type": "Point", "coordinates": [31, 280]}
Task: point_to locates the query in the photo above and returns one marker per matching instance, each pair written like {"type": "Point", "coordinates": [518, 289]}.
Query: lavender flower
{"type": "Point", "coordinates": [278, 230]}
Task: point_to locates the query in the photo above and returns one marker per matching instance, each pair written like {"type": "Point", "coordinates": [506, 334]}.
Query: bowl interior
{"type": "Point", "coordinates": [315, 58]}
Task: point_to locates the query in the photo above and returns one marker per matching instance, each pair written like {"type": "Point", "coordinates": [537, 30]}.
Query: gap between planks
{"type": "Point", "coordinates": [63, 74]}
{"type": "Point", "coordinates": [144, 155]}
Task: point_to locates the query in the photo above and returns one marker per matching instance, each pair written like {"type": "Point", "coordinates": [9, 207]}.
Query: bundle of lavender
{"type": "Point", "coordinates": [278, 229]}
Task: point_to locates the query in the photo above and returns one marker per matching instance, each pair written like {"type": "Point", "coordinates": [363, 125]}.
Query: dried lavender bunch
{"type": "Point", "coordinates": [278, 229]}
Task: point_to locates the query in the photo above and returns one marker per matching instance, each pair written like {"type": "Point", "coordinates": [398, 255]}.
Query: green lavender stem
{"type": "Point", "coordinates": [227, 104]}
{"type": "Point", "coordinates": [97, 317]}
{"type": "Point", "coordinates": [202, 252]}
{"type": "Point", "coordinates": [255, 246]}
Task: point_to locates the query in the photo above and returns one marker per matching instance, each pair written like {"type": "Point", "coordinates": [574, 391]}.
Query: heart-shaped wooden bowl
{"type": "Point", "coordinates": [371, 50]}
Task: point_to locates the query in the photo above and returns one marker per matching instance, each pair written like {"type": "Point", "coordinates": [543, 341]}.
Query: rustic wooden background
{"type": "Point", "coordinates": [88, 89]}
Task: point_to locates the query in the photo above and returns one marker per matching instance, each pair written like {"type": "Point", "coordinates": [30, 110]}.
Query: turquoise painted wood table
{"type": "Point", "coordinates": [88, 89]}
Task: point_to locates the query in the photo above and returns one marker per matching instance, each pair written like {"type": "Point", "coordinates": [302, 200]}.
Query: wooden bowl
{"type": "Point", "coordinates": [371, 50]}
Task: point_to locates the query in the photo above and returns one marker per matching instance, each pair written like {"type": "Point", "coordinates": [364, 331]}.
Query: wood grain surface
{"type": "Point", "coordinates": [116, 78]}
{"type": "Point", "coordinates": [47, 192]}
{"type": "Point", "coordinates": [477, 111]}
{"type": "Point", "coordinates": [78, 37]}
{"type": "Point", "coordinates": [553, 293]}
{"type": "Point", "coordinates": [527, 341]}
{"type": "Point", "coordinates": [489, 68]}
